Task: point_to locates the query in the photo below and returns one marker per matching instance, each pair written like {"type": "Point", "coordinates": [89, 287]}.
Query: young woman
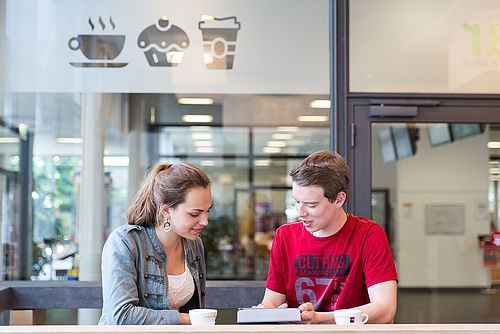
{"type": "Point", "coordinates": [153, 268]}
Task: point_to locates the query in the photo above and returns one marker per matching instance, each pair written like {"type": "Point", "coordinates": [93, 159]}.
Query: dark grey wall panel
{"type": "Point", "coordinates": [74, 294]}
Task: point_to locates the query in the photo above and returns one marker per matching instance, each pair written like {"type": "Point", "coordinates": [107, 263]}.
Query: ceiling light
{"type": "Point", "coordinates": [287, 128]}
{"type": "Point", "coordinates": [204, 149]}
{"type": "Point", "coordinates": [494, 144]}
{"type": "Point", "coordinates": [312, 118]}
{"type": "Point", "coordinates": [208, 58]}
{"type": "Point", "coordinates": [66, 140]}
{"type": "Point", "coordinates": [115, 161]}
{"type": "Point", "coordinates": [320, 104]}
{"type": "Point", "coordinates": [494, 170]}
{"type": "Point", "coordinates": [282, 136]}
{"type": "Point", "coordinates": [205, 17]}
{"type": "Point", "coordinates": [197, 118]}
{"type": "Point", "coordinates": [296, 142]}
{"type": "Point", "coordinates": [195, 100]}
{"type": "Point", "coordinates": [276, 143]}
{"type": "Point", "coordinates": [203, 143]}
{"type": "Point", "coordinates": [200, 128]}
{"type": "Point", "coordinates": [175, 57]}
{"type": "Point", "coordinates": [202, 136]}
{"type": "Point", "coordinates": [271, 149]}
{"type": "Point", "coordinates": [262, 163]}
{"type": "Point", "coordinates": [207, 163]}
{"type": "Point", "coordinates": [9, 140]}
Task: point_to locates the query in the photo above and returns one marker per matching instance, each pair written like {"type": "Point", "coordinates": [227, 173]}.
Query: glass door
{"type": "Point", "coordinates": [437, 163]}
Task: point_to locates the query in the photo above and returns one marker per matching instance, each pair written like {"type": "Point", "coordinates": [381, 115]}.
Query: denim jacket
{"type": "Point", "coordinates": [135, 281]}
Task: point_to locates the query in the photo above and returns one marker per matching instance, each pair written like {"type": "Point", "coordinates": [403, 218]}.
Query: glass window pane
{"type": "Point", "coordinates": [218, 103]}
{"type": "Point", "coordinates": [438, 208]}
{"type": "Point", "coordinates": [205, 140]}
{"type": "Point", "coordinates": [248, 159]}
{"type": "Point", "coordinates": [290, 140]}
{"type": "Point", "coordinates": [424, 46]}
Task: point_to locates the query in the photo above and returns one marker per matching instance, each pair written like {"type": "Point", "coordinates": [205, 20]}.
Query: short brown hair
{"type": "Point", "coordinates": [325, 169]}
{"type": "Point", "coordinates": [165, 184]}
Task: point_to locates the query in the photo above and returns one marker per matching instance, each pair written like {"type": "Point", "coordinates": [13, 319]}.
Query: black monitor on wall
{"type": "Point", "coordinates": [404, 140]}
{"type": "Point", "coordinates": [464, 130]}
{"type": "Point", "coordinates": [439, 134]}
{"type": "Point", "coordinates": [387, 147]}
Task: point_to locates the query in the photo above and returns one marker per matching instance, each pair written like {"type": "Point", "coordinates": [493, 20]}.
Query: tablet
{"type": "Point", "coordinates": [267, 315]}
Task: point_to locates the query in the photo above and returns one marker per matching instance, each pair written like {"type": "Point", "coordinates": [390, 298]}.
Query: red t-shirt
{"type": "Point", "coordinates": [330, 272]}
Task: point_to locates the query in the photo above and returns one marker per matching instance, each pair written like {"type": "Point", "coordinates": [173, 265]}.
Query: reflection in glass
{"type": "Point", "coordinates": [386, 144]}
{"type": "Point", "coordinates": [439, 134]}
{"type": "Point", "coordinates": [251, 192]}
{"type": "Point", "coordinates": [404, 142]}
{"type": "Point", "coordinates": [463, 130]}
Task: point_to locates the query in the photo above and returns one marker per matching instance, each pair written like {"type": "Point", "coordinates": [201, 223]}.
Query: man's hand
{"type": "Point", "coordinates": [308, 315]}
{"type": "Point", "coordinates": [272, 300]}
{"type": "Point", "coordinates": [284, 305]}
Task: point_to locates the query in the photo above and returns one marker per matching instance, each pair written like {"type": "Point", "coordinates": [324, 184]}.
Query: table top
{"type": "Point", "coordinates": [261, 329]}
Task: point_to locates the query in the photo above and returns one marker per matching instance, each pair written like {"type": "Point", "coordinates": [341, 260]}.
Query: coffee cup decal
{"type": "Point", "coordinates": [104, 47]}
{"type": "Point", "coordinates": [219, 41]}
{"type": "Point", "coordinates": [163, 43]}
{"type": "Point", "coordinates": [99, 48]}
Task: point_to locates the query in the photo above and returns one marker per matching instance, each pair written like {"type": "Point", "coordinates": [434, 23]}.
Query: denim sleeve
{"type": "Point", "coordinates": [203, 270]}
{"type": "Point", "coordinates": [119, 288]}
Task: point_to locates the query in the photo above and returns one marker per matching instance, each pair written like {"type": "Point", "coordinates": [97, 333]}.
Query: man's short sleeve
{"type": "Point", "coordinates": [276, 277]}
{"type": "Point", "coordinates": [379, 265]}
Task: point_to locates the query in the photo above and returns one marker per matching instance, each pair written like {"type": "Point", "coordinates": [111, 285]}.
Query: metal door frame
{"type": "Point", "coordinates": [431, 108]}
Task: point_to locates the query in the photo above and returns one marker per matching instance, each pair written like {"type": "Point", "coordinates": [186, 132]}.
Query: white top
{"type": "Point", "coordinates": [180, 289]}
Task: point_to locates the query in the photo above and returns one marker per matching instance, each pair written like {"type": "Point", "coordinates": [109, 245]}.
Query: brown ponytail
{"type": "Point", "coordinates": [165, 184]}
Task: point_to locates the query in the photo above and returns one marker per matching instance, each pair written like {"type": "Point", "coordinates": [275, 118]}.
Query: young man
{"type": "Point", "coordinates": [329, 259]}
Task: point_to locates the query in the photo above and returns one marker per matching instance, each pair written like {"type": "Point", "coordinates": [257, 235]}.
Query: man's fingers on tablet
{"type": "Point", "coordinates": [306, 307]}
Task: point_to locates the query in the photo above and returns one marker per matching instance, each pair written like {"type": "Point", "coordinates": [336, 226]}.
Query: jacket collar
{"type": "Point", "coordinates": [186, 245]}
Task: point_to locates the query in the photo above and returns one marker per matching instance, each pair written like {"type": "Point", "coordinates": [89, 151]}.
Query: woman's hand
{"type": "Point", "coordinates": [185, 319]}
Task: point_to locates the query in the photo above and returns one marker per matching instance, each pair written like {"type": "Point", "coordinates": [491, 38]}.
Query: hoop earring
{"type": "Point", "coordinates": [167, 226]}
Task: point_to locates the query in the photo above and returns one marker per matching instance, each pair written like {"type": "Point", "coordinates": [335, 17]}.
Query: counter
{"type": "Point", "coordinates": [261, 329]}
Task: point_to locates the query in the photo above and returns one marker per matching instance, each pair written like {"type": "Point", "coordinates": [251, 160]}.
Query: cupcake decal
{"type": "Point", "coordinates": [163, 43]}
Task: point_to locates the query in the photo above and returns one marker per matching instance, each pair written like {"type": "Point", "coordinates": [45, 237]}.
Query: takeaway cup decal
{"type": "Point", "coordinates": [100, 49]}
{"type": "Point", "coordinates": [219, 41]}
{"type": "Point", "coordinates": [163, 43]}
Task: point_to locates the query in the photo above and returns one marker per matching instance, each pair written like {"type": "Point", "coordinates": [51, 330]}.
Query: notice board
{"type": "Point", "coordinates": [444, 219]}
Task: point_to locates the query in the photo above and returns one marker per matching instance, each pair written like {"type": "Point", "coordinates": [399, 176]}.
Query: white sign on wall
{"type": "Point", "coordinates": [160, 46]}
{"type": "Point", "coordinates": [474, 55]}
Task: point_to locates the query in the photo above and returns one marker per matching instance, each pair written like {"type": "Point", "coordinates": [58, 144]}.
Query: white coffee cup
{"type": "Point", "coordinates": [202, 316]}
{"type": "Point", "coordinates": [350, 317]}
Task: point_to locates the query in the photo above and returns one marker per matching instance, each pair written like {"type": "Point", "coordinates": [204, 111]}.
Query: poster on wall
{"type": "Point", "coordinates": [165, 46]}
{"type": "Point", "coordinates": [444, 219]}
